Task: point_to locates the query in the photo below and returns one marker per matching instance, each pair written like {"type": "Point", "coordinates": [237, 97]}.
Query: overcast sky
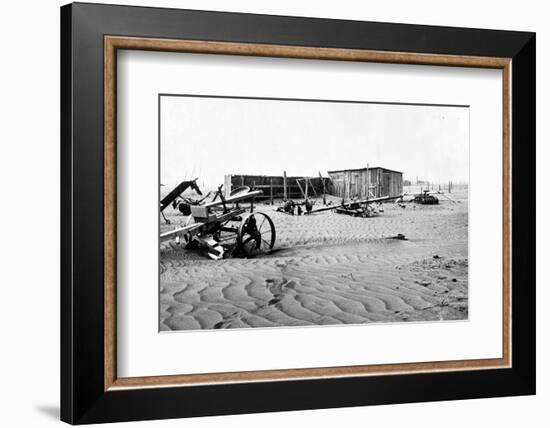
{"type": "Point", "coordinates": [211, 137]}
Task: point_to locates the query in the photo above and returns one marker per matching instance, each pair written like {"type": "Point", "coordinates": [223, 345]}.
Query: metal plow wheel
{"type": "Point", "coordinates": [255, 235]}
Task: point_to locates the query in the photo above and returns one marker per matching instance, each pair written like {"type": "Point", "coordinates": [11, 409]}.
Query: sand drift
{"type": "Point", "coordinates": [327, 269]}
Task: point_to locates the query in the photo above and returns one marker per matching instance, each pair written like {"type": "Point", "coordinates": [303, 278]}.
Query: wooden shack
{"type": "Point", "coordinates": [351, 183]}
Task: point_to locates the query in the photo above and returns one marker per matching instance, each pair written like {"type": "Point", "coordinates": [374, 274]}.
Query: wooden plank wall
{"type": "Point", "coordinates": [350, 184]}
{"type": "Point", "coordinates": [273, 185]}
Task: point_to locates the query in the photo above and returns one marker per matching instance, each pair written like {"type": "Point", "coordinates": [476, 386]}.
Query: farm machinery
{"type": "Point", "coordinates": [178, 201]}
{"type": "Point", "coordinates": [295, 208]}
{"type": "Point", "coordinates": [425, 198]}
{"type": "Point", "coordinates": [357, 208]}
{"type": "Point", "coordinates": [224, 228]}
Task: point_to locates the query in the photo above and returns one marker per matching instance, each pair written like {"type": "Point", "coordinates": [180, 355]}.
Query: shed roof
{"type": "Point", "coordinates": [364, 169]}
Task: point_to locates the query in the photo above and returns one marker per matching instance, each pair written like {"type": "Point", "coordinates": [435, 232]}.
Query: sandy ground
{"type": "Point", "coordinates": [327, 268]}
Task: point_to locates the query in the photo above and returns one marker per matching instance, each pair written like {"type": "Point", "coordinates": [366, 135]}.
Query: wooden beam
{"type": "Point", "coordinates": [180, 231]}
{"type": "Point", "coordinates": [324, 189]}
{"type": "Point", "coordinates": [351, 204]}
{"type": "Point", "coordinates": [301, 190]}
{"type": "Point", "coordinates": [236, 198]}
{"type": "Point", "coordinates": [284, 186]}
{"type": "Point", "coordinates": [312, 186]}
{"type": "Point", "coordinates": [368, 182]}
{"type": "Point", "coordinates": [228, 185]}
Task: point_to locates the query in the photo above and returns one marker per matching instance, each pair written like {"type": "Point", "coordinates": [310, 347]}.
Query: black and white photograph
{"type": "Point", "coordinates": [275, 214]}
{"type": "Point", "coordinates": [306, 212]}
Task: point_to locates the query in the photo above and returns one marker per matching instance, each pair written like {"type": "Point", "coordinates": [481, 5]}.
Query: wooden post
{"type": "Point", "coordinates": [227, 185]}
{"type": "Point", "coordinates": [306, 181]}
{"type": "Point", "coordinates": [312, 186]}
{"type": "Point", "coordinates": [300, 186]}
{"type": "Point", "coordinates": [252, 200]}
{"type": "Point", "coordinates": [284, 186]}
{"type": "Point", "coordinates": [368, 182]}
{"type": "Point", "coordinates": [344, 186]}
{"type": "Point", "coordinates": [324, 189]}
{"type": "Point", "coordinates": [271, 189]}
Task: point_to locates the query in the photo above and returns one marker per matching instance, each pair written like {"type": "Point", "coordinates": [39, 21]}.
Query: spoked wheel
{"type": "Point", "coordinates": [255, 235]}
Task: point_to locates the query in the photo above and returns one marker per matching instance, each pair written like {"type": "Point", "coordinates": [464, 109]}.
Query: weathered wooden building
{"type": "Point", "coordinates": [280, 186]}
{"type": "Point", "coordinates": [351, 183]}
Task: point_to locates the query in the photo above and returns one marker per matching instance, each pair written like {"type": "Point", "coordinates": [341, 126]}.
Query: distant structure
{"type": "Point", "coordinates": [279, 186]}
{"type": "Point", "coordinates": [366, 182]}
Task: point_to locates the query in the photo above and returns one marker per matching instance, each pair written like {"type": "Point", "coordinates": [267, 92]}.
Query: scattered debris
{"type": "Point", "coordinates": [399, 237]}
{"type": "Point", "coordinates": [357, 208]}
{"type": "Point", "coordinates": [422, 283]}
{"type": "Point", "coordinates": [425, 198]}
{"type": "Point", "coordinates": [295, 208]}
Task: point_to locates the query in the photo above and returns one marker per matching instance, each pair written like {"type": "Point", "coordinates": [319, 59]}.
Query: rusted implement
{"type": "Point", "coordinates": [362, 210]}
{"type": "Point", "coordinates": [425, 198]}
{"type": "Point", "coordinates": [359, 207]}
{"type": "Point", "coordinates": [295, 208]}
{"type": "Point", "coordinates": [177, 191]}
{"type": "Point", "coordinates": [175, 198]}
{"type": "Point", "coordinates": [223, 228]}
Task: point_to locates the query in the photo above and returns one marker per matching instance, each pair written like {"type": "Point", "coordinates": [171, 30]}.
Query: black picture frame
{"type": "Point", "coordinates": [83, 398]}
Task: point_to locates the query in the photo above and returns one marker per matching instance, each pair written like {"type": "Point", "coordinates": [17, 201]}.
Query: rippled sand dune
{"type": "Point", "coordinates": [327, 269]}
